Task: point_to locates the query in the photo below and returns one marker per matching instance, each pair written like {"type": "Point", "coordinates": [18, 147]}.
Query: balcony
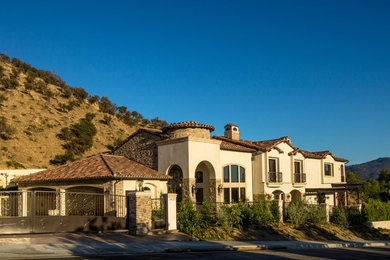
{"type": "Point", "coordinates": [275, 177]}
{"type": "Point", "coordinates": [299, 177]}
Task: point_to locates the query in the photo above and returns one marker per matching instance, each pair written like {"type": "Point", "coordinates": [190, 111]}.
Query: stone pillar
{"type": "Point", "coordinates": [140, 213]}
{"type": "Point", "coordinates": [170, 211]}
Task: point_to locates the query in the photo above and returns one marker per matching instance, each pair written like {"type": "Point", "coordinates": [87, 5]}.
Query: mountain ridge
{"type": "Point", "coordinates": [370, 169]}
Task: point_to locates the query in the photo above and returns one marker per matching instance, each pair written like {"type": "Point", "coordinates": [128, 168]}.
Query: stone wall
{"type": "Point", "coordinates": [193, 132]}
{"type": "Point", "coordinates": [141, 148]}
{"type": "Point", "coordinates": [140, 213]}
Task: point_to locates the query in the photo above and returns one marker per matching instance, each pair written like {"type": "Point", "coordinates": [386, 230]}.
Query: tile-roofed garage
{"type": "Point", "coordinates": [96, 167]}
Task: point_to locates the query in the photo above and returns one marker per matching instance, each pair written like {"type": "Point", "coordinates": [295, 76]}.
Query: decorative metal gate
{"type": "Point", "coordinates": [51, 211]}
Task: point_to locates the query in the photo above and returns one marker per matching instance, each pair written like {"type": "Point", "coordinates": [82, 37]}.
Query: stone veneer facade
{"type": "Point", "coordinates": [141, 148]}
{"type": "Point", "coordinates": [140, 213]}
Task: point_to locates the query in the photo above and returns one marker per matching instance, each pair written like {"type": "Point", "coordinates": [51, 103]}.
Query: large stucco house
{"type": "Point", "coordinates": [228, 169]}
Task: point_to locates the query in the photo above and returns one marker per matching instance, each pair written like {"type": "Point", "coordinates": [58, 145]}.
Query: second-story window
{"type": "Point", "coordinates": [342, 173]}
{"type": "Point", "coordinates": [328, 169]}
{"type": "Point", "coordinates": [299, 176]}
{"type": "Point", "coordinates": [273, 171]}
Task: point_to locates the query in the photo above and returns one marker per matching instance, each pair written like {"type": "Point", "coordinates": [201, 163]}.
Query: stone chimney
{"type": "Point", "coordinates": [231, 131]}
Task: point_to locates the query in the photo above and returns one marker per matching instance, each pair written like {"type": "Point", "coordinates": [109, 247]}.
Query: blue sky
{"type": "Point", "coordinates": [317, 71]}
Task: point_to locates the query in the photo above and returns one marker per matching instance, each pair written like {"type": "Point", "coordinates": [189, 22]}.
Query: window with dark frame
{"type": "Point", "coordinates": [328, 169]}
{"type": "Point", "coordinates": [242, 174]}
{"type": "Point", "coordinates": [199, 177]}
{"type": "Point", "coordinates": [226, 174]}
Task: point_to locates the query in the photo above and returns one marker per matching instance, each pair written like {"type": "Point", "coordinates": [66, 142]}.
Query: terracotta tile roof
{"type": "Point", "coordinates": [230, 124]}
{"type": "Point", "coordinates": [235, 147]}
{"type": "Point", "coordinates": [317, 155]}
{"type": "Point", "coordinates": [266, 145]}
{"type": "Point", "coordinates": [96, 167]}
{"type": "Point", "coordinates": [188, 124]}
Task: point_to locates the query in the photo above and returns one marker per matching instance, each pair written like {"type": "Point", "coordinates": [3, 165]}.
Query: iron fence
{"type": "Point", "coordinates": [52, 203]}
{"type": "Point", "coordinates": [158, 213]}
{"type": "Point", "coordinates": [299, 177]}
{"type": "Point", "coordinates": [275, 177]}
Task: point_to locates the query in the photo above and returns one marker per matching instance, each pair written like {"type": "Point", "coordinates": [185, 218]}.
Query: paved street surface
{"type": "Point", "coordinates": [315, 254]}
{"type": "Point", "coordinates": [179, 246]}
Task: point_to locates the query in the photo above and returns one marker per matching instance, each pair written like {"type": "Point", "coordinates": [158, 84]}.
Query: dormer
{"type": "Point", "coordinates": [231, 131]}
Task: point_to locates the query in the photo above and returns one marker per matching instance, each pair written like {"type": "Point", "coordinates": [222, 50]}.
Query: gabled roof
{"type": "Point", "coordinates": [263, 146]}
{"type": "Point", "coordinates": [317, 155]}
{"type": "Point", "coordinates": [96, 167]}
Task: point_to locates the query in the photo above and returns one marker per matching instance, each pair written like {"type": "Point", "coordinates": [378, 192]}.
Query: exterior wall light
{"type": "Point", "coordinates": [220, 188]}
{"type": "Point", "coordinates": [193, 189]}
{"type": "Point", "coordinates": [140, 184]}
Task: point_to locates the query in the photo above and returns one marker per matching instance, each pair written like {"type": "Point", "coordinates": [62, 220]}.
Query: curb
{"type": "Point", "coordinates": [279, 247]}
{"type": "Point", "coordinates": [225, 248]}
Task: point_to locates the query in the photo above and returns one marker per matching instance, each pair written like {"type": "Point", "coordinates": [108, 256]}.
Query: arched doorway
{"type": "Point", "coordinates": [205, 189]}
{"type": "Point", "coordinates": [278, 195]}
{"type": "Point", "coordinates": [176, 183]}
{"type": "Point", "coordinates": [296, 196]}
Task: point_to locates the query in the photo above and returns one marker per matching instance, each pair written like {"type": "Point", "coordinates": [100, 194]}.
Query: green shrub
{"type": "Point", "coordinates": [2, 98]}
{"type": "Point", "coordinates": [261, 214]}
{"type": "Point", "coordinates": [9, 83]}
{"type": "Point", "coordinates": [316, 214]}
{"type": "Point", "coordinates": [93, 99]}
{"type": "Point", "coordinates": [79, 93]}
{"type": "Point", "coordinates": [15, 164]}
{"type": "Point", "coordinates": [340, 216]}
{"type": "Point", "coordinates": [296, 213]}
{"type": "Point", "coordinates": [188, 219]}
{"type": "Point", "coordinates": [376, 210]}
{"type": "Point", "coordinates": [6, 131]}
{"type": "Point", "coordinates": [275, 211]}
{"type": "Point", "coordinates": [90, 116]}
{"type": "Point", "coordinates": [355, 217]}
{"type": "Point", "coordinates": [106, 120]}
{"type": "Point", "coordinates": [230, 216]}
{"type": "Point", "coordinates": [62, 158]}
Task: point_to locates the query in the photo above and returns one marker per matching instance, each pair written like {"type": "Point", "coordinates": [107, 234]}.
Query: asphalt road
{"type": "Point", "coordinates": [377, 253]}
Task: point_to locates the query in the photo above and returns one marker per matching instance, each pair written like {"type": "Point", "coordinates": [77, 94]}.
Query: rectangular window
{"type": "Point", "coordinates": [242, 194]}
{"type": "Point", "coordinates": [199, 195]}
{"type": "Point", "coordinates": [235, 196]}
{"type": "Point", "coordinates": [297, 167]}
{"type": "Point", "coordinates": [226, 195]}
{"type": "Point", "coordinates": [242, 174]}
{"type": "Point", "coordinates": [234, 169]}
{"type": "Point", "coordinates": [272, 165]}
{"type": "Point", "coordinates": [199, 177]}
{"type": "Point", "coordinates": [226, 174]}
{"type": "Point", "coordinates": [342, 173]}
{"type": "Point", "coordinates": [328, 169]}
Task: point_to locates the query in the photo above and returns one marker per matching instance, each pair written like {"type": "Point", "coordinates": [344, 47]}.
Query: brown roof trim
{"type": "Point", "coordinates": [317, 155]}
{"type": "Point", "coordinates": [188, 124]}
{"type": "Point", "coordinates": [237, 142]}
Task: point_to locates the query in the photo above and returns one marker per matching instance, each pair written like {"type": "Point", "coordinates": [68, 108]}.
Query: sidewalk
{"type": "Point", "coordinates": [63, 245]}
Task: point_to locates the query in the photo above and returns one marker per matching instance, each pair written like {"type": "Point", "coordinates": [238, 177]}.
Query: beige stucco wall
{"type": "Point", "coordinates": [16, 173]}
{"type": "Point", "coordinates": [240, 159]}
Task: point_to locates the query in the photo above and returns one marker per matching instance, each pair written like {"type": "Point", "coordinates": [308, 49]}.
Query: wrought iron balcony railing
{"type": "Point", "coordinates": [275, 177]}
{"type": "Point", "coordinates": [299, 177]}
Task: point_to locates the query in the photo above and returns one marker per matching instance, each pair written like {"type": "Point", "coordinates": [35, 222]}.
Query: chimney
{"type": "Point", "coordinates": [231, 131]}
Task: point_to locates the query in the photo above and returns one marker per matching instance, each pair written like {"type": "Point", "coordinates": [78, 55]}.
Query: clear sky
{"type": "Point", "coordinates": [317, 71]}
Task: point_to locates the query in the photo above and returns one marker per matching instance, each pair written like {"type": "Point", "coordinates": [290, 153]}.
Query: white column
{"type": "Point", "coordinates": [170, 211]}
{"type": "Point", "coordinates": [280, 203]}
{"type": "Point", "coordinates": [62, 202]}
{"type": "Point", "coordinates": [25, 204]}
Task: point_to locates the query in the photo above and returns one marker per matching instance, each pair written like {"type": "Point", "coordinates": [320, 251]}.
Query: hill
{"type": "Point", "coordinates": [42, 117]}
{"type": "Point", "coordinates": [371, 169]}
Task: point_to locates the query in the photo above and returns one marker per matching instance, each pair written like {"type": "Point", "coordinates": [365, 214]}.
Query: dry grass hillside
{"type": "Point", "coordinates": [32, 118]}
